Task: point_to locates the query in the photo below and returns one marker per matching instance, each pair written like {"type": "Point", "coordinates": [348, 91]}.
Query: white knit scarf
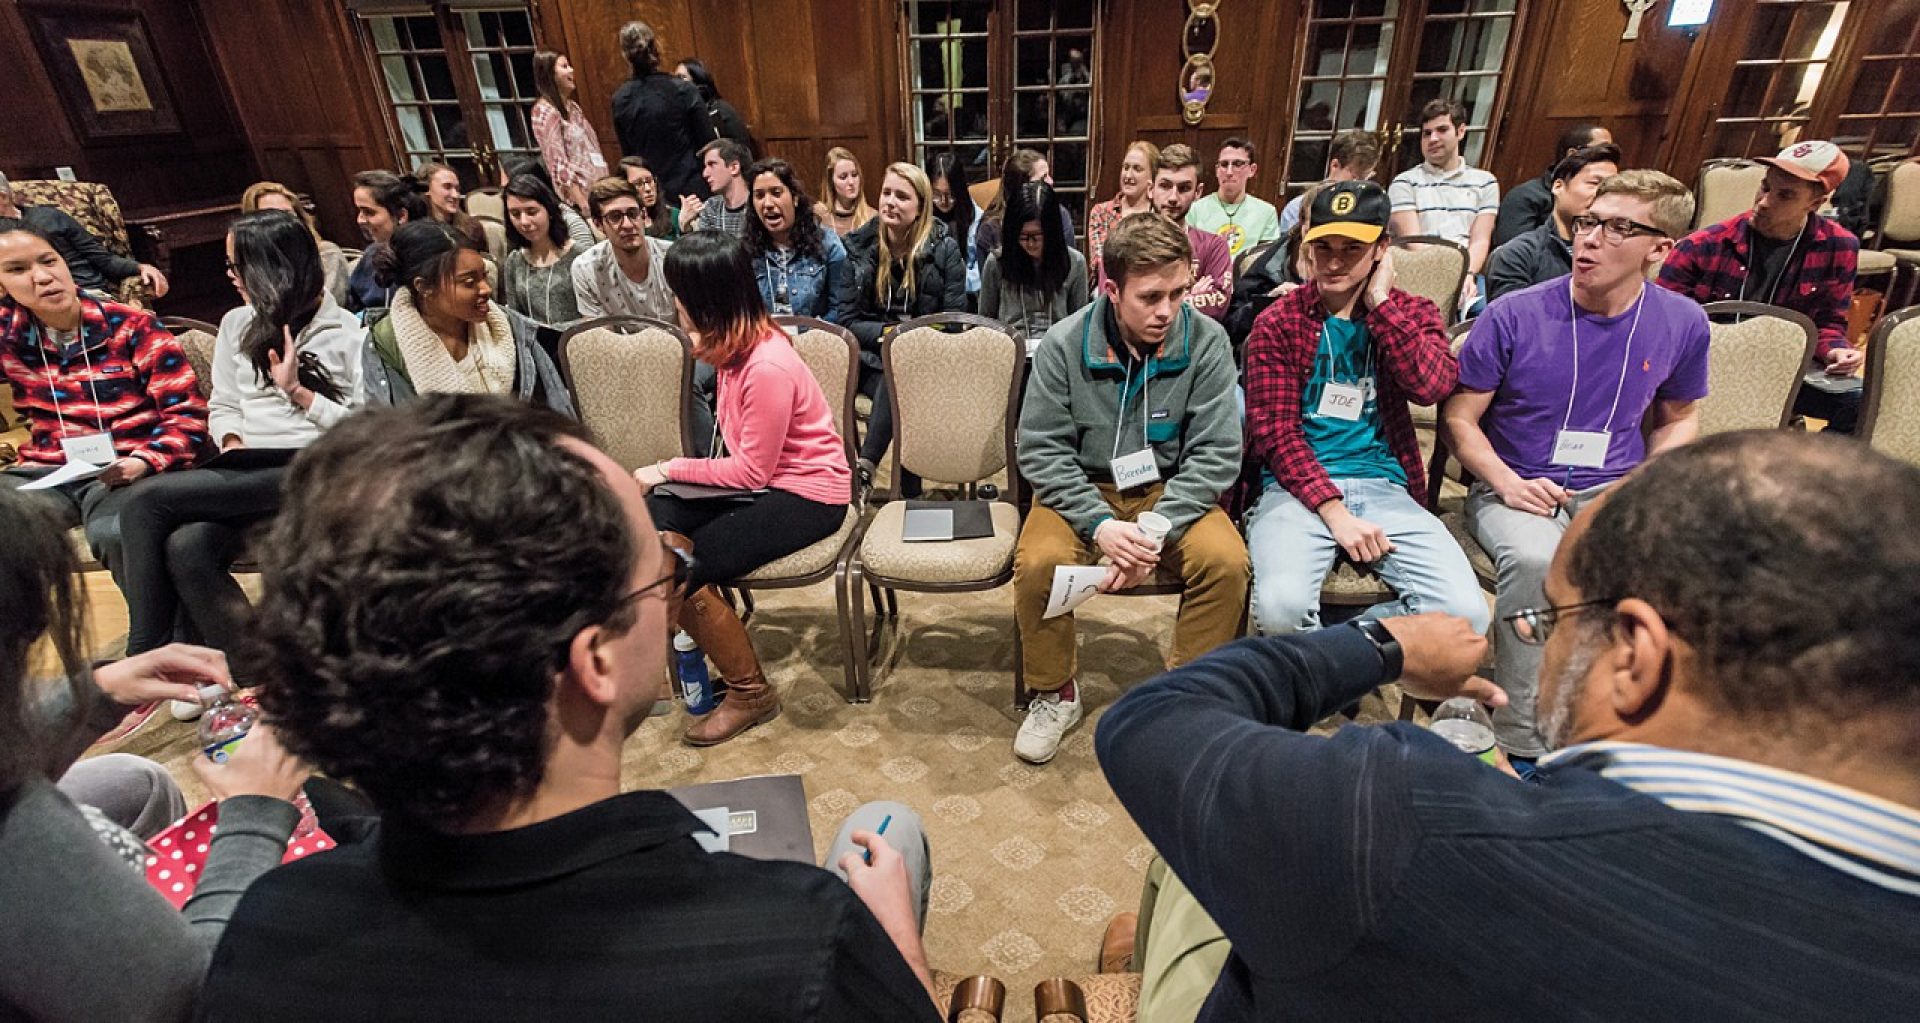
{"type": "Point", "coordinates": [490, 351]}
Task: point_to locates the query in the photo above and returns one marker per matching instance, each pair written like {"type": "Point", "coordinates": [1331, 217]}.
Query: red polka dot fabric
{"type": "Point", "coordinates": [176, 856]}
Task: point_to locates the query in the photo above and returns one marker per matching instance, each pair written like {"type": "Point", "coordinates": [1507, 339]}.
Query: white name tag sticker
{"type": "Point", "coordinates": [1135, 470]}
{"type": "Point", "coordinates": [93, 448]}
{"type": "Point", "coordinates": [1342, 401]}
{"type": "Point", "coordinates": [1582, 449]}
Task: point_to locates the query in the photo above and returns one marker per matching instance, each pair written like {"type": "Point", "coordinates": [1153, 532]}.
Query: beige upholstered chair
{"type": "Point", "coordinates": [486, 202]}
{"type": "Point", "coordinates": [1755, 363]}
{"type": "Point", "coordinates": [1890, 413]}
{"type": "Point", "coordinates": [630, 377]}
{"type": "Point", "coordinates": [1726, 188]}
{"type": "Point", "coordinates": [1898, 235]}
{"type": "Point", "coordinates": [955, 384]}
{"type": "Point", "coordinates": [197, 337]}
{"type": "Point", "coordinates": [833, 356]}
{"type": "Point", "coordinates": [497, 247]}
{"type": "Point", "coordinates": [1433, 268]}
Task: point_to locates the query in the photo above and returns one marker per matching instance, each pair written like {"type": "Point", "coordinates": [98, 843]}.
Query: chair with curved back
{"type": "Point", "coordinates": [1755, 365]}
{"type": "Point", "coordinates": [630, 377]}
{"type": "Point", "coordinates": [197, 337]}
{"type": "Point", "coordinates": [1726, 188]}
{"type": "Point", "coordinates": [955, 383]}
{"type": "Point", "coordinates": [487, 201]}
{"type": "Point", "coordinates": [1892, 427]}
{"type": "Point", "coordinates": [1432, 267]}
{"type": "Point", "coordinates": [1898, 234]}
{"type": "Point", "coordinates": [832, 354]}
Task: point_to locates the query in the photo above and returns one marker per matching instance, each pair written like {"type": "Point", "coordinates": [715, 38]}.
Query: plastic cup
{"type": "Point", "coordinates": [1154, 526]}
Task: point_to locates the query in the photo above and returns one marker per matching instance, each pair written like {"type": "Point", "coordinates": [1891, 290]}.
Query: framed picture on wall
{"type": "Point", "coordinates": [102, 63]}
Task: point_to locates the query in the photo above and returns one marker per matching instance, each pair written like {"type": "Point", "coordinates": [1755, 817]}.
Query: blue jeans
{"type": "Point", "coordinates": [1293, 550]}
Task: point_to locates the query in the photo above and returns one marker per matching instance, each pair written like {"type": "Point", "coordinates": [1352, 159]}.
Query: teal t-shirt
{"type": "Point", "coordinates": [1348, 448]}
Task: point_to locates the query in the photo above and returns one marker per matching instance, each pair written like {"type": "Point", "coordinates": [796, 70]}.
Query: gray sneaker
{"type": "Point", "coordinates": [1048, 718]}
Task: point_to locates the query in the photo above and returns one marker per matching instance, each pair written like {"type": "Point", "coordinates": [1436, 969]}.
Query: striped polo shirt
{"type": "Point", "coordinates": [1447, 201]}
{"type": "Point", "coordinates": [1867, 837]}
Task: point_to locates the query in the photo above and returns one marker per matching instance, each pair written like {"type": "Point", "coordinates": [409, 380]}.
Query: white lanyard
{"type": "Point", "coordinates": [53, 379]}
{"type": "Point", "coordinates": [1625, 357]}
{"type": "Point", "coordinates": [1119, 420]}
{"type": "Point", "coordinates": [1366, 367]}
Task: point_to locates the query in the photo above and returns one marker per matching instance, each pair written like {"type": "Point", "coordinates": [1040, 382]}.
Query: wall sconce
{"type": "Point", "coordinates": [1198, 40]}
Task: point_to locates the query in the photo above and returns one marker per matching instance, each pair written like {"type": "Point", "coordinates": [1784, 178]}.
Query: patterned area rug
{"type": "Point", "coordinates": [1029, 862]}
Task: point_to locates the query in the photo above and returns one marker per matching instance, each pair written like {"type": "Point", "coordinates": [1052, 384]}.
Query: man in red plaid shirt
{"type": "Point", "coordinates": [1330, 369]}
{"type": "Point", "coordinates": [99, 382]}
{"type": "Point", "coordinates": [1783, 252]}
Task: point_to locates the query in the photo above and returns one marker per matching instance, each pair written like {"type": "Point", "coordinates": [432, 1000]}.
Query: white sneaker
{"type": "Point", "coordinates": [186, 710]}
{"type": "Point", "coordinates": [1048, 718]}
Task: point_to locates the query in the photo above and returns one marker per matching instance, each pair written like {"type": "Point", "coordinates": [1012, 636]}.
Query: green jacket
{"type": "Point", "coordinates": [1074, 400]}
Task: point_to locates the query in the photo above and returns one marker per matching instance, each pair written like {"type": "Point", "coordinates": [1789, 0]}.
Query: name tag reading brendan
{"type": "Point", "coordinates": [1135, 470]}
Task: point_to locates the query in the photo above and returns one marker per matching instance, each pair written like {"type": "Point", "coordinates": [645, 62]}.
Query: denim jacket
{"type": "Point", "coordinates": [814, 287]}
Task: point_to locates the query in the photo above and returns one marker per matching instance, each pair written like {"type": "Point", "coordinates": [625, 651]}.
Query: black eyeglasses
{"type": "Point", "coordinates": [1534, 625]}
{"type": "Point", "coordinates": [621, 216]}
{"type": "Point", "coordinates": [1614, 230]}
{"type": "Point", "coordinates": [679, 570]}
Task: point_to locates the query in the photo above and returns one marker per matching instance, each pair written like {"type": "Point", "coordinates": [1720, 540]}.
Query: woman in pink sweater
{"type": "Point", "coordinates": [782, 454]}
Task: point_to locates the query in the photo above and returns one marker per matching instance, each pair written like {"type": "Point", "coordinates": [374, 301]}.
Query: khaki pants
{"type": "Point", "coordinates": [1178, 949]}
{"type": "Point", "coordinates": [1209, 557]}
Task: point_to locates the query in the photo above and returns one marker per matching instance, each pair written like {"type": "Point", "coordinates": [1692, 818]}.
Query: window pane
{"type": "Point", "coordinates": [1073, 56]}
{"type": "Point", "coordinates": [490, 71]}
{"type": "Point", "coordinates": [1372, 45]}
{"type": "Point", "coordinates": [436, 75]}
{"type": "Point", "coordinates": [1073, 13]}
{"type": "Point", "coordinates": [1069, 164]}
{"type": "Point", "coordinates": [1309, 159]}
{"type": "Point", "coordinates": [1070, 108]}
{"type": "Point", "coordinates": [1326, 50]}
{"type": "Point", "coordinates": [1870, 88]}
{"type": "Point", "coordinates": [453, 128]}
{"type": "Point", "coordinates": [516, 28]}
{"type": "Point", "coordinates": [1318, 103]}
{"type": "Point", "coordinates": [423, 33]}
{"type": "Point", "coordinates": [413, 128]}
{"type": "Point", "coordinates": [399, 81]}
{"type": "Point", "coordinates": [1035, 110]}
{"type": "Point", "coordinates": [1033, 15]}
{"type": "Point", "coordinates": [1898, 34]}
{"type": "Point", "coordinates": [970, 122]}
{"type": "Point", "coordinates": [1032, 63]}
{"type": "Point", "coordinates": [386, 38]}
{"type": "Point", "coordinates": [508, 127]}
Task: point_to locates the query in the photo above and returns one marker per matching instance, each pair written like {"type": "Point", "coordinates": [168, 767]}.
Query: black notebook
{"type": "Point", "coordinates": [766, 816]}
{"type": "Point", "coordinates": [702, 492]}
{"type": "Point", "coordinates": [935, 521]}
{"type": "Point", "coordinates": [252, 458]}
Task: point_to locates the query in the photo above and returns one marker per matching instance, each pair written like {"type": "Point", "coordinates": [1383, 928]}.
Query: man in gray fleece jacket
{"type": "Point", "coordinates": [1130, 410]}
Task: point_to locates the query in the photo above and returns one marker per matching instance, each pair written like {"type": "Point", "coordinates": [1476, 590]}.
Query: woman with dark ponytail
{"type": "Point", "coordinates": [286, 366]}
{"type": "Point", "coordinates": [382, 201]}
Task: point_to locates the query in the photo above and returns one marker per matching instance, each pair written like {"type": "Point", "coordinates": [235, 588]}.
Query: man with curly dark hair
{"type": "Point", "coordinates": [465, 616]}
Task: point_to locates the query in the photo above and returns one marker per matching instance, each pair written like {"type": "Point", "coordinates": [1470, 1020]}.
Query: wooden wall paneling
{"type": "Point", "coordinates": [589, 34]}
{"type": "Point", "coordinates": [312, 113]}
{"type": "Point", "coordinates": [203, 162]}
{"type": "Point", "coordinates": [1573, 67]}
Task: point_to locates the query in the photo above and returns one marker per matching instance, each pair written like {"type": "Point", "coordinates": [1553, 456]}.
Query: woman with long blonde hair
{"type": "Point", "coordinates": [909, 266]}
{"type": "Point", "coordinates": [272, 195]}
{"type": "Point", "coordinates": [843, 195]}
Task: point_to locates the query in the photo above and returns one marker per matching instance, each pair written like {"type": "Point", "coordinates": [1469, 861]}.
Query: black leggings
{"type": "Point", "coordinates": [873, 384]}
{"type": "Point", "coordinates": [180, 533]}
{"type": "Point", "coordinates": [732, 538]}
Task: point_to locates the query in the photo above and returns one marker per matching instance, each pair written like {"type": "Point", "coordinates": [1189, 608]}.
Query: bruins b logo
{"type": "Point", "coordinates": [1343, 203]}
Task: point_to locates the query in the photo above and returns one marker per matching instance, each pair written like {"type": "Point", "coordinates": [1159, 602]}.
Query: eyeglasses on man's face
{"type": "Point", "coordinates": [679, 570]}
{"type": "Point", "coordinates": [621, 216]}
{"type": "Point", "coordinates": [1615, 229]}
{"type": "Point", "coordinates": [1534, 625]}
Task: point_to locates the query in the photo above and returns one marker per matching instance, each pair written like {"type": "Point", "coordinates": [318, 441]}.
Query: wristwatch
{"type": "Point", "coordinates": [1392, 659]}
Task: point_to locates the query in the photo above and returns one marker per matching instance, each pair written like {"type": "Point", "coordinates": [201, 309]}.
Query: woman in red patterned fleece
{"type": "Point", "coordinates": [99, 383]}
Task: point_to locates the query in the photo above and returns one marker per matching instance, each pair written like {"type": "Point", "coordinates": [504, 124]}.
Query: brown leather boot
{"type": "Point", "coordinates": [750, 699]}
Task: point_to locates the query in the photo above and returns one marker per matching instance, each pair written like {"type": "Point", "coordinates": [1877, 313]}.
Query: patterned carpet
{"type": "Point", "coordinates": [1029, 862]}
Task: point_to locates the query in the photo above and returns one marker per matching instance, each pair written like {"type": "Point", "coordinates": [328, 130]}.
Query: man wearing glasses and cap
{"type": "Point", "coordinates": [1565, 387]}
{"type": "Point", "coordinates": [1783, 252]}
{"type": "Point", "coordinates": [1331, 367]}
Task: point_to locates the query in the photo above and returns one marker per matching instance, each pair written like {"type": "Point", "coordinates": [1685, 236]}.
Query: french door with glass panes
{"type": "Point", "coordinates": [986, 77]}
{"type": "Point", "coordinates": [1372, 64]}
{"type": "Point", "coordinates": [457, 77]}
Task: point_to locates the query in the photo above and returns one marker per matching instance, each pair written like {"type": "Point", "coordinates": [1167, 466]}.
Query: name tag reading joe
{"type": "Point", "coordinates": [1135, 470]}
{"type": "Point", "coordinates": [1342, 401]}
{"type": "Point", "coordinates": [1582, 449]}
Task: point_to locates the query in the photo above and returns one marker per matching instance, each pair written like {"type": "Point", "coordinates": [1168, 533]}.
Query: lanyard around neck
{"type": "Point", "coordinates": [53, 379]}
{"type": "Point", "coordinates": [1785, 265]}
{"type": "Point", "coordinates": [1626, 357]}
{"type": "Point", "coordinates": [1119, 418]}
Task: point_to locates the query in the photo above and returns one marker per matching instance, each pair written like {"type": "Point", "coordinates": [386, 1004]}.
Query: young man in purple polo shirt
{"type": "Point", "coordinates": [1565, 387]}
